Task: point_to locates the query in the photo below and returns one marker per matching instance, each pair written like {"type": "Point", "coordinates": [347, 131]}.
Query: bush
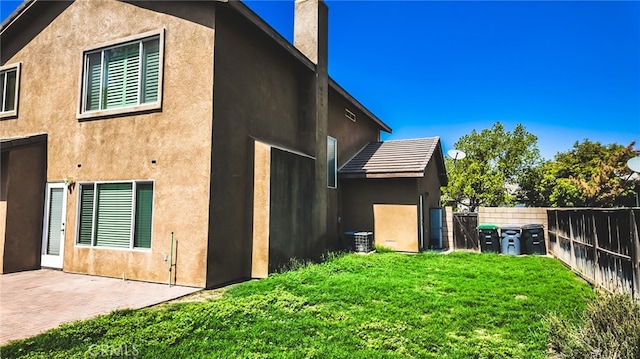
{"type": "Point", "coordinates": [609, 328]}
{"type": "Point", "coordinates": [383, 249]}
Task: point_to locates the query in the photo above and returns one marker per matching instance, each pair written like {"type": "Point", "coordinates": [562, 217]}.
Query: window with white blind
{"type": "Point", "coordinates": [332, 162]}
{"type": "Point", "coordinates": [9, 80]}
{"type": "Point", "coordinates": [116, 215]}
{"type": "Point", "coordinates": [122, 77]}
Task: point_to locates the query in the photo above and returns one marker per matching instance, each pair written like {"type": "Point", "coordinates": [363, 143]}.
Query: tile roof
{"type": "Point", "coordinates": [398, 158]}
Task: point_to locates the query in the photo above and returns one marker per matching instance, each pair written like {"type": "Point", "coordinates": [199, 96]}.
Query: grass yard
{"type": "Point", "coordinates": [386, 305]}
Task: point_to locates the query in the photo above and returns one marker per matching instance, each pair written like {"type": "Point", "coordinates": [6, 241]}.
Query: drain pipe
{"type": "Point", "coordinates": [171, 259]}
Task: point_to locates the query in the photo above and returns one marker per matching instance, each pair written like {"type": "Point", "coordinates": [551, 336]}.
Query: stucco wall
{"type": "Point", "coordinates": [4, 171]}
{"type": "Point", "coordinates": [429, 186]}
{"type": "Point", "coordinates": [198, 152]}
{"type": "Point", "coordinates": [359, 196]}
{"type": "Point", "coordinates": [25, 178]}
{"type": "Point", "coordinates": [123, 147]}
{"type": "Point", "coordinates": [396, 226]}
{"type": "Point", "coordinates": [261, 210]}
{"type": "Point", "coordinates": [282, 217]}
{"type": "Point", "coordinates": [351, 137]}
{"type": "Point", "coordinates": [263, 100]}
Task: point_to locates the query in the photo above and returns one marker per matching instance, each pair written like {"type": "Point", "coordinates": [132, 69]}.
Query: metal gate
{"type": "Point", "coordinates": [465, 232]}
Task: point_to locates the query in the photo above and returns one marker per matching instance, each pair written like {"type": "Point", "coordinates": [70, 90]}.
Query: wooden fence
{"type": "Point", "coordinates": [465, 232]}
{"type": "Point", "coordinates": [602, 245]}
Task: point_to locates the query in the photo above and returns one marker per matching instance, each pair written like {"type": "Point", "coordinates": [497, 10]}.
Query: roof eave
{"type": "Point", "coordinates": [267, 29]}
{"type": "Point", "coordinates": [352, 175]}
{"type": "Point", "coordinates": [15, 14]}
{"type": "Point", "coordinates": [358, 105]}
{"type": "Point", "coordinates": [249, 14]}
{"type": "Point", "coordinates": [440, 164]}
{"type": "Point", "coordinates": [8, 143]}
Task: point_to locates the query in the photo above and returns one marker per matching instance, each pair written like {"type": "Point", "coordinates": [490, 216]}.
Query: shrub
{"type": "Point", "coordinates": [383, 249]}
{"type": "Point", "coordinates": [609, 328]}
{"type": "Point", "coordinates": [293, 264]}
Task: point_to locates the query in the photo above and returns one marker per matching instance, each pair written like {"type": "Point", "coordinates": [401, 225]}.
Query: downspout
{"type": "Point", "coordinates": [171, 259]}
{"type": "Point", "coordinates": [421, 225]}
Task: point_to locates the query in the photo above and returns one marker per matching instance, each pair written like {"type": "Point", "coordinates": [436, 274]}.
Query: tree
{"type": "Point", "coordinates": [588, 175]}
{"type": "Point", "coordinates": [490, 173]}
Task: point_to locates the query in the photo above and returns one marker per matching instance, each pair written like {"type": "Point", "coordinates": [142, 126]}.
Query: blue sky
{"type": "Point", "coordinates": [566, 70]}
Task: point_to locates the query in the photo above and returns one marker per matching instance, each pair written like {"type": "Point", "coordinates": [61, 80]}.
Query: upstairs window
{"type": "Point", "coordinates": [122, 76]}
{"type": "Point", "coordinates": [332, 163]}
{"type": "Point", "coordinates": [9, 77]}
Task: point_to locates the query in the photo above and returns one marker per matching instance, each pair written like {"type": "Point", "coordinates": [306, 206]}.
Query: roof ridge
{"type": "Point", "coordinates": [412, 139]}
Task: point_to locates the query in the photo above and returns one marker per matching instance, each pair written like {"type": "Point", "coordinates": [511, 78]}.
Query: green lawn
{"type": "Point", "coordinates": [387, 305]}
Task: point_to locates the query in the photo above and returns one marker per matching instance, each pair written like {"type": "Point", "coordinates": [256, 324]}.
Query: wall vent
{"type": "Point", "coordinates": [350, 115]}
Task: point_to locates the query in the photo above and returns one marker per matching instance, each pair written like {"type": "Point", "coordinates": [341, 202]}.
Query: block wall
{"type": "Point", "coordinates": [503, 216]}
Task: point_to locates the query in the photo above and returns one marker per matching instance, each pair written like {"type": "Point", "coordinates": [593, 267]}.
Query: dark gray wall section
{"type": "Point", "coordinates": [359, 195]}
{"type": "Point", "coordinates": [290, 218]}
{"type": "Point", "coordinates": [260, 92]}
{"type": "Point", "coordinates": [25, 185]}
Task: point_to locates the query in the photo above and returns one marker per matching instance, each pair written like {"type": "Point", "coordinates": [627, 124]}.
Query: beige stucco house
{"type": "Point", "coordinates": [145, 138]}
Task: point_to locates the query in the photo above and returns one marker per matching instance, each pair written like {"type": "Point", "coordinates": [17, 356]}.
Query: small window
{"type": "Point", "coordinates": [350, 115]}
{"type": "Point", "coordinates": [332, 163]}
{"type": "Point", "coordinates": [115, 215]}
{"type": "Point", "coordinates": [9, 84]}
{"type": "Point", "coordinates": [122, 78]}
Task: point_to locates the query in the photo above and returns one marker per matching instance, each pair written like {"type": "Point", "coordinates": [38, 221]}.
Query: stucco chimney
{"type": "Point", "coordinates": [310, 36]}
{"type": "Point", "coordinates": [311, 30]}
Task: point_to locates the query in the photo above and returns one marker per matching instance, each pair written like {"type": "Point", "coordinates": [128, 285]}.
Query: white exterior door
{"type": "Point", "coordinates": [55, 214]}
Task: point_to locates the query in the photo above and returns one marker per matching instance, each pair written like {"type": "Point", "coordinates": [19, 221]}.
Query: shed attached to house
{"type": "Point", "coordinates": [390, 187]}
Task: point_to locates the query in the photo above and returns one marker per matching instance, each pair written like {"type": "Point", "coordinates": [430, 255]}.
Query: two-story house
{"type": "Point", "coordinates": [141, 138]}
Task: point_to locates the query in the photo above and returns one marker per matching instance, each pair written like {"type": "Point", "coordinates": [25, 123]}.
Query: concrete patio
{"type": "Point", "coordinates": [35, 301]}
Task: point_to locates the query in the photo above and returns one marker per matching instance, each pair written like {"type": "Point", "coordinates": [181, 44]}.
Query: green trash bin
{"type": "Point", "coordinates": [489, 238]}
{"type": "Point", "coordinates": [533, 238]}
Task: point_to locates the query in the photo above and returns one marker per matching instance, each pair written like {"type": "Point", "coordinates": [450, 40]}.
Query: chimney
{"type": "Point", "coordinates": [311, 30]}
{"type": "Point", "coordinates": [310, 36]}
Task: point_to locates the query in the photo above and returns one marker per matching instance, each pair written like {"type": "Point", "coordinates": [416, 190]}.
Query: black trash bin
{"type": "Point", "coordinates": [489, 238]}
{"type": "Point", "coordinates": [510, 240]}
{"type": "Point", "coordinates": [533, 238]}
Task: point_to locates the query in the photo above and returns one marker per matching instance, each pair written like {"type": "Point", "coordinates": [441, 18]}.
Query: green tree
{"type": "Point", "coordinates": [490, 172]}
{"type": "Point", "coordinates": [588, 175]}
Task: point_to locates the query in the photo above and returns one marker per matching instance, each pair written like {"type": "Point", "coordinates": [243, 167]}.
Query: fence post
{"type": "Point", "coordinates": [571, 239]}
{"type": "Point", "coordinates": [597, 277]}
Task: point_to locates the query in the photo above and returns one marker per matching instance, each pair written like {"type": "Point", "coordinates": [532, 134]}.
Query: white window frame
{"type": "Point", "coordinates": [335, 163]}
{"type": "Point", "coordinates": [139, 38]}
{"type": "Point", "coordinates": [3, 87]}
{"type": "Point", "coordinates": [93, 219]}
